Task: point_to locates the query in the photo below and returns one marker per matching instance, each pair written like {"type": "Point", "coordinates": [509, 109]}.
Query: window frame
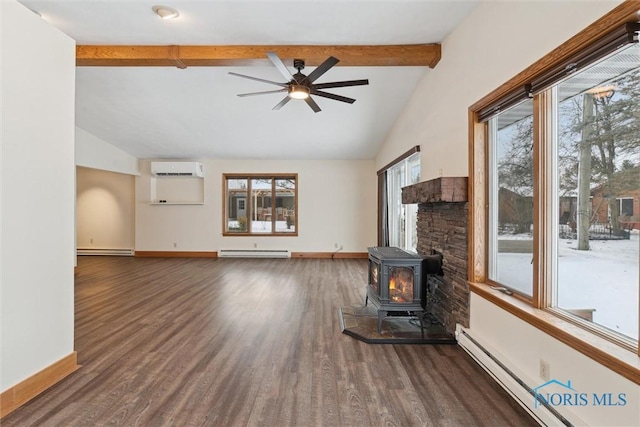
{"type": "Point", "coordinates": [249, 177]}
{"type": "Point", "coordinates": [591, 340]}
{"type": "Point", "coordinates": [383, 217]}
{"type": "Point", "coordinates": [493, 191]}
{"type": "Point", "coordinates": [407, 228]}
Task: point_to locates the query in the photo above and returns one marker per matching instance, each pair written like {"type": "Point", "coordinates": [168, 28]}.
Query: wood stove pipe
{"type": "Point", "coordinates": [432, 264]}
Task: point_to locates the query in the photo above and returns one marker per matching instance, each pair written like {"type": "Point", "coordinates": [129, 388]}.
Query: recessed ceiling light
{"type": "Point", "coordinates": [165, 12]}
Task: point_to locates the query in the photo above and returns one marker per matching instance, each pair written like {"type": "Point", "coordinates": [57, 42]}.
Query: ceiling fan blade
{"type": "Point", "coordinates": [282, 103]}
{"type": "Point", "coordinates": [259, 80]}
{"type": "Point", "coordinates": [334, 96]}
{"type": "Point", "coordinates": [262, 93]}
{"type": "Point", "coordinates": [275, 59]}
{"type": "Point", "coordinates": [311, 103]}
{"type": "Point", "coordinates": [322, 68]}
{"type": "Point", "coordinates": [341, 84]}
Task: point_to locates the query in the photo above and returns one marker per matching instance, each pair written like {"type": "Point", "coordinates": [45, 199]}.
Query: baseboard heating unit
{"type": "Point", "coordinates": [111, 252]}
{"type": "Point", "coordinates": [518, 388]}
{"type": "Point", "coordinates": [254, 253]}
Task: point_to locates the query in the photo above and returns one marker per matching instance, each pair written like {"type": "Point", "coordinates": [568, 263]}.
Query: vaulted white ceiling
{"type": "Point", "coordinates": [166, 112]}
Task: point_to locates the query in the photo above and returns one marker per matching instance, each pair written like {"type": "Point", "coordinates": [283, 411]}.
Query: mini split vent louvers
{"type": "Point", "coordinates": [185, 169]}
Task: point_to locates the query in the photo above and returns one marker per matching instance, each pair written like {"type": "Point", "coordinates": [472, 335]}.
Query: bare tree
{"type": "Point", "coordinates": [600, 132]}
{"type": "Point", "coordinates": [610, 130]}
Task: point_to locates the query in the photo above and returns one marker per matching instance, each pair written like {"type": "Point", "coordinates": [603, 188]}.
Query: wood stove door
{"type": "Point", "coordinates": [401, 284]}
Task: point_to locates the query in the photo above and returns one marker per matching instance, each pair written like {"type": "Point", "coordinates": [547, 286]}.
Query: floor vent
{"type": "Point", "coordinates": [518, 388]}
{"type": "Point", "coordinates": [254, 253]}
{"type": "Point", "coordinates": [111, 252]}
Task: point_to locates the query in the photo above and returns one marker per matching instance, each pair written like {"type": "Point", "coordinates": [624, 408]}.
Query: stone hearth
{"type": "Point", "coordinates": [443, 215]}
{"type": "Point", "coordinates": [361, 322]}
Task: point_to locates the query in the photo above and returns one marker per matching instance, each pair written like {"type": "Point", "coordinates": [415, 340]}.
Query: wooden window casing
{"type": "Point", "coordinates": [249, 177]}
{"type": "Point", "coordinates": [598, 346]}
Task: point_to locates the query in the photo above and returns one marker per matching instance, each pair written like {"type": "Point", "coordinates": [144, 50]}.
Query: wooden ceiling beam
{"type": "Point", "coordinates": [207, 56]}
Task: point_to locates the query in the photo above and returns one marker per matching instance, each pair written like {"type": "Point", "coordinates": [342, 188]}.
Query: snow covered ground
{"type": "Point", "coordinates": [265, 226]}
{"type": "Point", "coordinates": [604, 278]}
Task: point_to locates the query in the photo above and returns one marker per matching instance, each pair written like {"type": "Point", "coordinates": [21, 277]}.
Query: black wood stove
{"type": "Point", "coordinates": [397, 283]}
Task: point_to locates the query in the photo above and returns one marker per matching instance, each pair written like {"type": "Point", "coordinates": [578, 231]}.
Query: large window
{"type": "Point", "coordinates": [403, 230]}
{"type": "Point", "coordinates": [555, 192]}
{"type": "Point", "coordinates": [397, 221]}
{"type": "Point", "coordinates": [511, 184]}
{"type": "Point", "coordinates": [593, 170]}
{"type": "Point", "coordinates": [597, 156]}
{"type": "Point", "coordinates": [260, 204]}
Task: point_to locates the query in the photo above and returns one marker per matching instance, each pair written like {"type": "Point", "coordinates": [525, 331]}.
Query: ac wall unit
{"type": "Point", "coordinates": [177, 169]}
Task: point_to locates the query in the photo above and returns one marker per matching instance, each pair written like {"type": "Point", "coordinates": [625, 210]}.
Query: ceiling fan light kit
{"type": "Point", "coordinates": [298, 92]}
{"type": "Point", "coordinates": [165, 12]}
{"type": "Point", "coordinates": [300, 86]}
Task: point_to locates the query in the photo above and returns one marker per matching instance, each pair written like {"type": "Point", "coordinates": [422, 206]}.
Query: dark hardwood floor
{"type": "Point", "coordinates": [235, 342]}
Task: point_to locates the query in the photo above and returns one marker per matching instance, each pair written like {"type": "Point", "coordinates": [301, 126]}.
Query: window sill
{"type": "Point", "coordinates": [614, 357]}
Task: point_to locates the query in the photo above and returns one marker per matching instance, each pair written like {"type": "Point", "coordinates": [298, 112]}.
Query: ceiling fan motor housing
{"type": "Point", "coordinates": [298, 64]}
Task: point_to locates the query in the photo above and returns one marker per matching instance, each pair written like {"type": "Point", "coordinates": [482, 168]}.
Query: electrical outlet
{"type": "Point", "coordinates": [175, 245]}
{"type": "Point", "coordinates": [91, 240]}
{"type": "Point", "coordinates": [545, 370]}
{"type": "Point", "coordinates": [255, 245]}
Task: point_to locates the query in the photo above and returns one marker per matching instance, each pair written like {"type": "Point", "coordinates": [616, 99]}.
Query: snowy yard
{"type": "Point", "coordinates": [605, 278]}
{"type": "Point", "coordinates": [264, 227]}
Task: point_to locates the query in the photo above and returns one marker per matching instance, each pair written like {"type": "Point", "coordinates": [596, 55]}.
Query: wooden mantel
{"type": "Point", "coordinates": [438, 190]}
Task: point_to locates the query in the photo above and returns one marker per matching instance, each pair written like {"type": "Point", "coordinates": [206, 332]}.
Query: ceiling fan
{"type": "Point", "coordinates": [300, 86]}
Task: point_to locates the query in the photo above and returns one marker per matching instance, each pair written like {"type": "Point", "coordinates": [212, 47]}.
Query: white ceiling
{"type": "Point", "coordinates": [165, 112]}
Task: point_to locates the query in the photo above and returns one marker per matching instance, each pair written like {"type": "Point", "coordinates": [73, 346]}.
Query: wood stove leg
{"type": "Point", "coordinates": [381, 315]}
{"type": "Point", "coordinates": [420, 319]}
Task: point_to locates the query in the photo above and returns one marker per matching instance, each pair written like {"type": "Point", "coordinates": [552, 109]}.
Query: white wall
{"type": "Point", "coordinates": [96, 153]}
{"type": "Point", "coordinates": [105, 209]}
{"type": "Point", "coordinates": [522, 346]}
{"type": "Point", "coordinates": [38, 86]}
{"type": "Point", "coordinates": [337, 204]}
{"type": "Point", "coordinates": [497, 41]}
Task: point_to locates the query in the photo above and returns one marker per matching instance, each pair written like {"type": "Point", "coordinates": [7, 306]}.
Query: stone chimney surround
{"type": "Point", "coordinates": [443, 215]}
